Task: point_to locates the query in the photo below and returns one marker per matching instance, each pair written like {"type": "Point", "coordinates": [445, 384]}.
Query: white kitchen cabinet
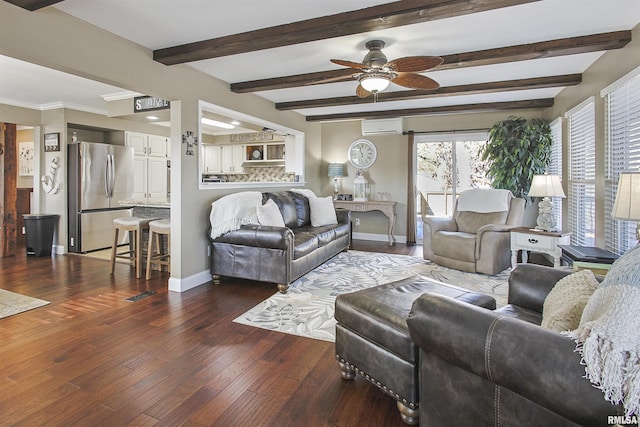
{"type": "Point", "coordinates": [139, 177]}
{"type": "Point", "coordinates": [231, 159]}
{"type": "Point", "coordinates": [150, 180]}
{"type": "Point", "coordinates": [156, 178]}
{"type": "Point", "coordinates": [147, 145]}
{"type": "Point", "coordinates": [212, 158]}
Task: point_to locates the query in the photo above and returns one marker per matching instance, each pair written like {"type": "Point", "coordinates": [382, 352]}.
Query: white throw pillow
{"type": "Point", "coordinates": [269, 214]}
{"type": "Point", "coordinates": [563, 306]}
{"type": "Point", "coordinates": [322, 211]}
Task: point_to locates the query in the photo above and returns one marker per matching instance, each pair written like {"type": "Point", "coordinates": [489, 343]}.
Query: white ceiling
{"type": "Point", "coordinates": [157, 24]}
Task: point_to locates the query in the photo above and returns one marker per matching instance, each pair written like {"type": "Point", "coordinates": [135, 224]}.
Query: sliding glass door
{"type": "Point", "coordinates": [446, 164]}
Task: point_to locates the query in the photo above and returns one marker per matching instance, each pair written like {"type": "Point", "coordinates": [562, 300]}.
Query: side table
{"type": "Point", "coordinates": [387, 208]}
{"type": "Point", "coordinates": [527, 239]}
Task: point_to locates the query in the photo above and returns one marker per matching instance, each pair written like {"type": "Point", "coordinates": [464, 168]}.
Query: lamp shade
{"type": "Point", "coordinates": [627, 204]}
{"type": "Point", "coordinates": [546, 186]}
{"type": "Point", "coordinates": [374, 82]}
{"type": "Point", "coordinates": [336, 170]}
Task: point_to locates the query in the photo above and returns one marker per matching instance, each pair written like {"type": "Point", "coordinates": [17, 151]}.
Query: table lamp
{"type": "Point", "coordinates": [627, 203]}
{"type": "Point", "coordinates": [546, 186]}
{"type": "Point", "coordinates": [336, 171]}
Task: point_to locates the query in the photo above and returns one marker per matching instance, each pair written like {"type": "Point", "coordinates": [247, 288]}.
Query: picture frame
{"type": "Point", "coordinates": [25, 158]}
{"type": "Point", "coordinates": [345, 197]}
{"type": "Point", "coordinates": [52, 141]}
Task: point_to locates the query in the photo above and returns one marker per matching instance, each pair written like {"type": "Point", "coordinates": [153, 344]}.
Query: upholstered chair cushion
{"type": "Point", "coordinates": [455, 245]}
{"type": "Point", "coordinates": [470, 222]}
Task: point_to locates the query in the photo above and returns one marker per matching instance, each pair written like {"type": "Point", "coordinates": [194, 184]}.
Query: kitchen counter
{"type": "Point", "coordinates": [146, 203]}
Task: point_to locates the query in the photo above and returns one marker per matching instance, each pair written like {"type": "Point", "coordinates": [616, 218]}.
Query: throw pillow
{"type": "Point", "coordinates": [269, 214]}
{"type": "Point", "coordinates": [322, 211]}
{"type": "Point", "coordinates": [563, 306]}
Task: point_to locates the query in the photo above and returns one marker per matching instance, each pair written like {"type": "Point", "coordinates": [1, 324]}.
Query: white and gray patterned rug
{"type": "Point", "coordinates": [12, 303]}
{"type": "Point", "coordinates": [308, 306]}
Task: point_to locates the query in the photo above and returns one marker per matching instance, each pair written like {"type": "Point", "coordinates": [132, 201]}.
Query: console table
{"type": "Point", "coordinates": [387, 208]}
{"type": "Point", "coordinates": [527, 239]}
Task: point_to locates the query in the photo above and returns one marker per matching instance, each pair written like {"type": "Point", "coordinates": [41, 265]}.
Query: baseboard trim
{"type": "Point", "coordinates": [378, 237]}
{"type": "Point", "coordinates": [184, 284]}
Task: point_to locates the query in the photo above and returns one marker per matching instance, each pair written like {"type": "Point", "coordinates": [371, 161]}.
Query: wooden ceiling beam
{"type": "Point", "coordinates": [544, 49]}
{"type": "Point", "coordinates": [33, 4]}
{"type": "Point", "coordinates": [468, 89]}
{"type": "Point", "coordinates": [375, 18]}
{"type": "Point", "coordinates": [448, 109]}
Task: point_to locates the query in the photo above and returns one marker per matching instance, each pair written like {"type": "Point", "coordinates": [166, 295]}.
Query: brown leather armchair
{"type": "Point", "coordinates": [487, 368]}
{"type": "Point", "coordinates": [476, 238]}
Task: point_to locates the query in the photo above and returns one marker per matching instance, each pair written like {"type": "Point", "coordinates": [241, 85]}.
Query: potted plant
{"type": "Point", "coordinates": [516, 150]}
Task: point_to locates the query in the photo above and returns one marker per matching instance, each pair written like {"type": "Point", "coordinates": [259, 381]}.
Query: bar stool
{"type": "Point", "coordinates": [135, 226]}
{"type": "Point", "coordinates": [157, 229]}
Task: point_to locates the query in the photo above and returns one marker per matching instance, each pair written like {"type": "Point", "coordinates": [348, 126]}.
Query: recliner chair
{"type": "Point", "coordinates": [477, 237]}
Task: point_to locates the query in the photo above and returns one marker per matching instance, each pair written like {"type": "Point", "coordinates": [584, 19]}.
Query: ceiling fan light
{"type": "Point", "coordinates": [374, 83]}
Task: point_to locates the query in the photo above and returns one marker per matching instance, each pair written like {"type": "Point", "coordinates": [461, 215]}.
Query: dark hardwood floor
{"type": "Point", "coordinates": [91, 358]}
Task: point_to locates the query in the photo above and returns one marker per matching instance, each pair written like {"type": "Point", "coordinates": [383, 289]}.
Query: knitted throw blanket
{"type": "Point", "coordinates": [608, 337]}
{"type": "Point", "coordinates": [230, 212]}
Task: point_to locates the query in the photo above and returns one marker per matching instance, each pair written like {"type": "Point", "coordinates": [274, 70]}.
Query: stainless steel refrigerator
{"type": "Point", "coordinates": [99, 177]}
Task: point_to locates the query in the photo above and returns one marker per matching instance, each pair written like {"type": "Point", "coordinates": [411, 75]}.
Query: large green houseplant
{"type": "Point", "coordinates": [516, 150]}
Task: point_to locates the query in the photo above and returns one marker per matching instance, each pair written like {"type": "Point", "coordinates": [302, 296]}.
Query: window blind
{"type": "Point", "coordinates": [582, 171]}
{"type": "Point", "coordinates": [622, 150]}
{"type": "Point", "coordinates": [555, 166]}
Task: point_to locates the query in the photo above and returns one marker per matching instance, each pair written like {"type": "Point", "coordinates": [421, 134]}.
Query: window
{"type": "Point", "coordinates": [555, 166]}
{"type": "Point", "coordinates": [446, 165]}
{"type": "Point", "coordinates": [622, 149]}
{"type": "Point", "coordinates": [582, 173]}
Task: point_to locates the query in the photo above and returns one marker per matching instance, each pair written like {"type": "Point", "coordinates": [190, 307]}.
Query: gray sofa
{"type": "Point", "coordinates": [279, 254]}
{"type": "Point", "coordinates": [500, 367]}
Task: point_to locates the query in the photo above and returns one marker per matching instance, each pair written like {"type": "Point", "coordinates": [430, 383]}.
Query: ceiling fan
{"type": "Point", "coordinates": [376, 72]}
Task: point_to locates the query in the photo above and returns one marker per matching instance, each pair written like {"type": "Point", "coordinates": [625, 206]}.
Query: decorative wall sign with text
{"type": "Point", "coordinates": [251, 137]}
{"type": "Point", "coordinates": [149, 103]}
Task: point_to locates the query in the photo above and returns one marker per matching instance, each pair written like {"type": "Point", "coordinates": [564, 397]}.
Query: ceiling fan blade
{"type": "Point", "coordinates": [415, 81]}
{"type": "Point", "coordinates": [414, 64]}
{"type": "Point", "coordinates": [350, 64]}
{"type": "Point", "coordinates": [362, 92]}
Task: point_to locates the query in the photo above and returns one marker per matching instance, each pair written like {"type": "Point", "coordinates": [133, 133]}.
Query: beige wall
{"type": "Point", "coordinates": [51, 38]}
{"type": "Point", "coordinates": [389, 173]}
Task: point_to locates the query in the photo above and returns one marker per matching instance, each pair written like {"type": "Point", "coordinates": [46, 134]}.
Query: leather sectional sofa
{"type": "Point", "coordinates": [279, 254]}
{"type": "Point", "coordinates": [487, 368]}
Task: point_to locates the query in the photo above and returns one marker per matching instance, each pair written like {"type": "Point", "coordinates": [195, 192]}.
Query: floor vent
{"type": "Point", "coordinates": [140, 296]}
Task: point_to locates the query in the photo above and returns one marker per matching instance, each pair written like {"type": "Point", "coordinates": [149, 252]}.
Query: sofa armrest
{"type": "Point", "coordinates": [529, 285]}
{"type": "Point", "coordinates": [535, 363]}
{"type": "Point", "coordinates": [260, 236]}
{"type": "Point", "coordinates": [343, 216]}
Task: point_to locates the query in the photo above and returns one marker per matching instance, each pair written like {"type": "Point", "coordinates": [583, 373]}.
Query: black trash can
{"type": "Point", "coordinates": [40, 228]}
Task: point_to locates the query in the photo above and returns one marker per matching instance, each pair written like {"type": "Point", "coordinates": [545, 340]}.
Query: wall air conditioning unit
{"type": "Point", "coordinates": [382, 126]}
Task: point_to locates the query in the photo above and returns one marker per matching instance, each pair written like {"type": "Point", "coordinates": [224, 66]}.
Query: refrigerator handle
{"type": "Point", "coordinates": [110, 175]}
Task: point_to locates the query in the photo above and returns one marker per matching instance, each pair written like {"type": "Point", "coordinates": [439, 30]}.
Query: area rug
{"type": "Point", "coordinates": [308, 306]}
{"type": "Point", "coordinates": [12, 303]}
